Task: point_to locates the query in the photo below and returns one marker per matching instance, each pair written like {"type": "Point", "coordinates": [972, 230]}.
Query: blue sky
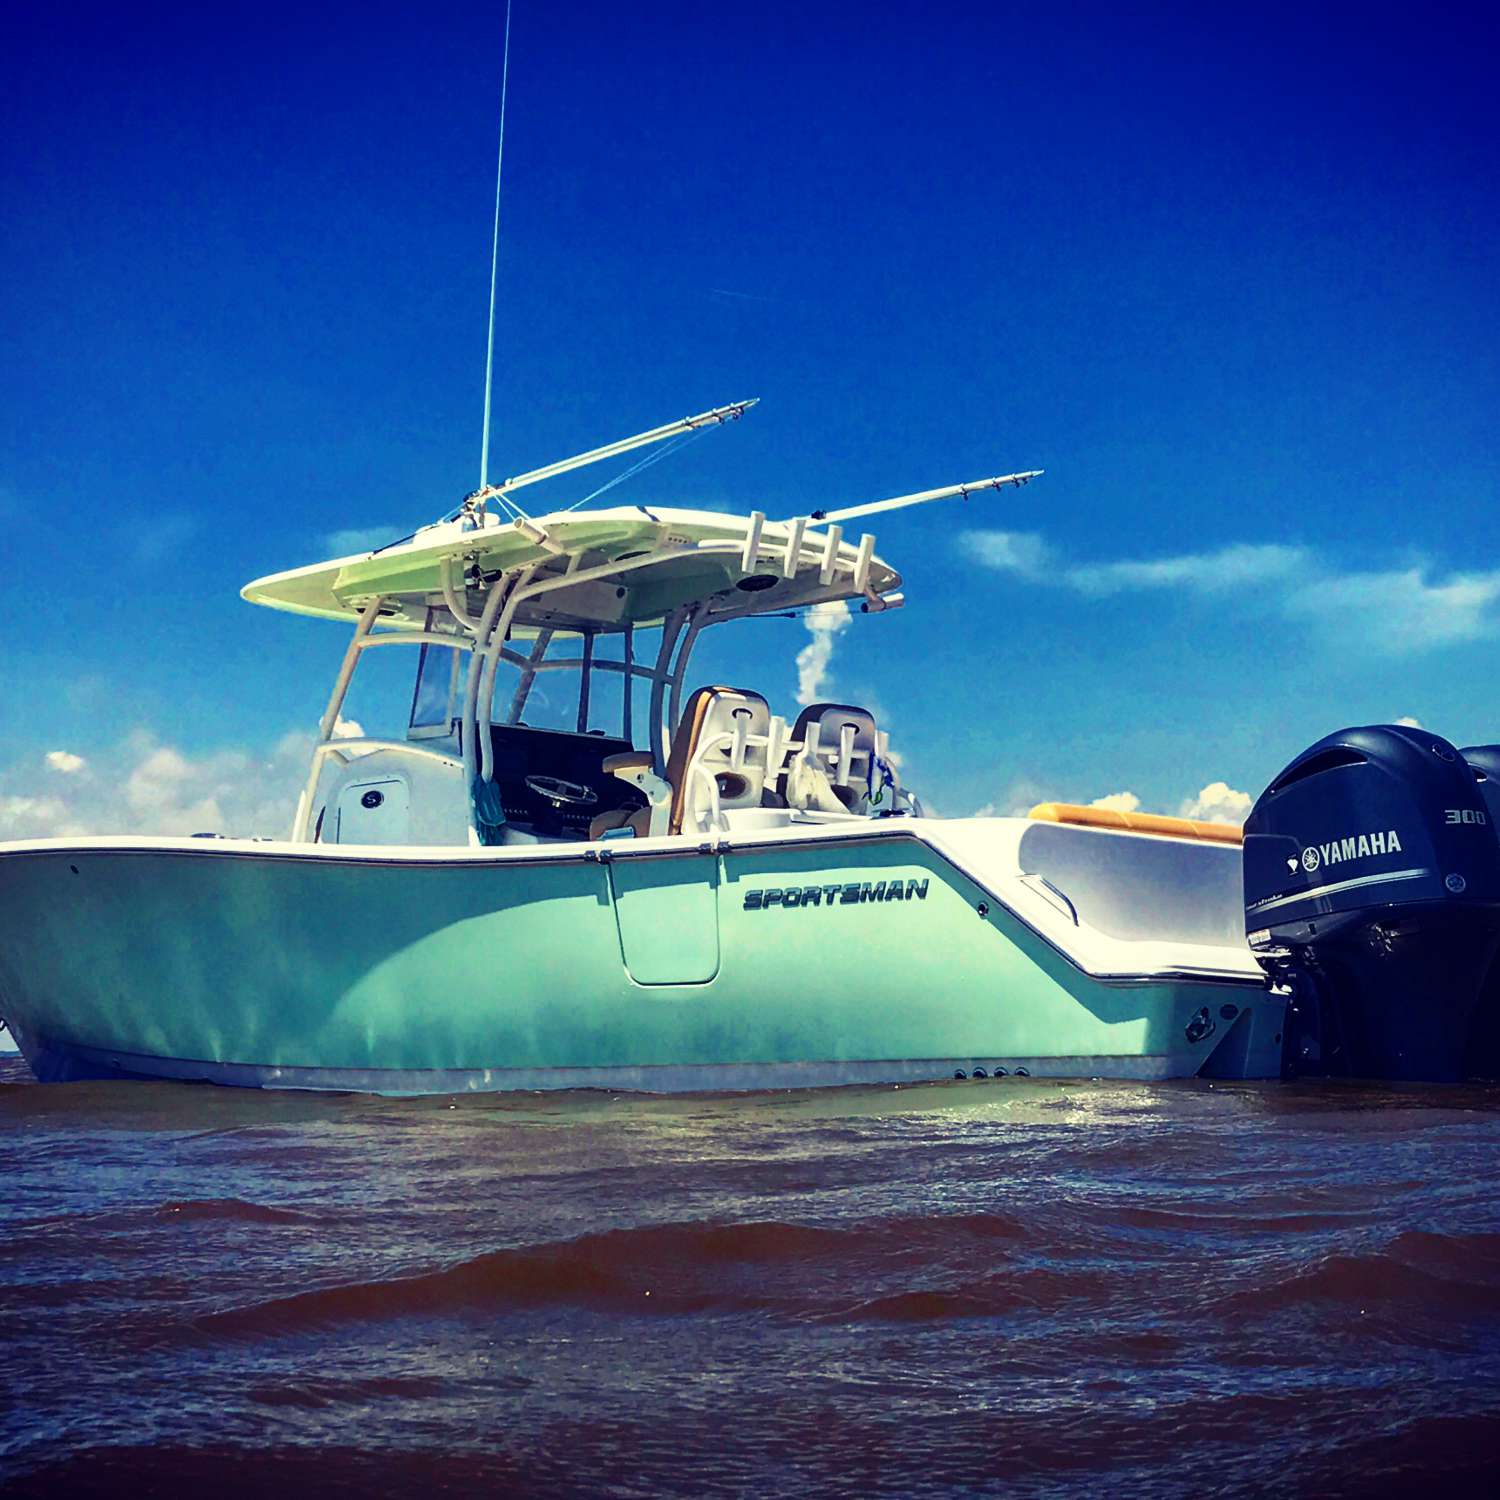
{"type": "Point", "coordinates": [1228, 277]}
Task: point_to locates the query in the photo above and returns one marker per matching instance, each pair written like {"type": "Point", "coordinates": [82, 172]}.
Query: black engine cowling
{"type": "Point", "coordinates": [1372, 894]}
{"type": "Point", "coordinates": [1484, 761]}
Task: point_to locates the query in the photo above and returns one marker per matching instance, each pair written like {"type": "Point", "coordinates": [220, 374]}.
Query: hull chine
{"type": "Point", "coordinates": [71, 1063]}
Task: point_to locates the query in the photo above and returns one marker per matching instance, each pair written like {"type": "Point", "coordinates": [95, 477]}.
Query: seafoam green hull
{"type": "Point", "coordinates": [269, 965]}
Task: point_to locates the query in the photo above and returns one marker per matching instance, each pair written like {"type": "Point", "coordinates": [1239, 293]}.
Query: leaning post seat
{"type": "Point", "coordinates": [635, 768]}
{"type": "Point", "coordinates": [841, 746]}
{"type": "Point", "coordinates": [724, 734]}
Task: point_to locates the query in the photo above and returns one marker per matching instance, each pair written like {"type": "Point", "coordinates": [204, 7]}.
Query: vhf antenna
{"type": "Point", "coordinates": [489, 354]}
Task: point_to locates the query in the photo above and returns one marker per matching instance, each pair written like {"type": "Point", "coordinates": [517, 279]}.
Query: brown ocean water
{"type": "Point", "coordinates": [1008, 1287]}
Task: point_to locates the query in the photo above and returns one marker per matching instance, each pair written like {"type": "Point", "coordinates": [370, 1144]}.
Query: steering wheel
{"type": "Point", "coordinates": [562, 793]}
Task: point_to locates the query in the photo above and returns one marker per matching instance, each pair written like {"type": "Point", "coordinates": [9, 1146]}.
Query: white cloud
{"type": "Point", "coordinates": [168, 793]}
{"type": "Point", "coordinates": [347, 729]}
{"type": "Point", "coordinates": [1409, 722]}
{"type": "Point", "coordinates": [1014, 801]}
{"type": "Point", "coordinates": [1028, 554]}
{"type": "Point", "coordinates": [361, 539]}
{"type": "Point", "coordinates": [1404, 610]}
{"type": "Point", "coordinates": [1023, 552]}
{"type": "Point", "coordinates": [1396, 610]}
{"type": "Point", "coordinates": [65, 761]}
{"type": "Point", "coordinates": [823, 622]}
{"type": "Point", "coordinates": [35, 817]}
{"type": "Point", "coordinates": [1218, 802]}
{"type": "Point", "coordinates": [1198, 572]}
{"type": "Point", "coordinates": [158, 788]}
{"type": "Point", "coordinates": [1121, 802]}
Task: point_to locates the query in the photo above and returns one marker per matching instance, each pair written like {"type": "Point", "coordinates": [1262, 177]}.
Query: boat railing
{"type": "Point", "coordinates": [340, 749]}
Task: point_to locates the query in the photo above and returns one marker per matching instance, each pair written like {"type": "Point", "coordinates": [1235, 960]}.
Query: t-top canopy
{"type": "Point", "coordinates": [628, 566]}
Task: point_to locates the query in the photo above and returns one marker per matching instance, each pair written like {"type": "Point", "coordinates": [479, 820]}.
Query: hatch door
{"type": "Point", "coordinates": [376, 811]}
{"type": "Point", "coordinates": [667, 911]}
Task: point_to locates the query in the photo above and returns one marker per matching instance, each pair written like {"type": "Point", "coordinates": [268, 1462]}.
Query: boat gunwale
{"type": "Point", "coordinates": [601, 853]}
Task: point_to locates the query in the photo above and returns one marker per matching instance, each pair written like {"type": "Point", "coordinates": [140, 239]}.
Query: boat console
{"type": "Point", "coordinates": [1372, 899]}
{"type": "Point", "coordinates": [554, 782]}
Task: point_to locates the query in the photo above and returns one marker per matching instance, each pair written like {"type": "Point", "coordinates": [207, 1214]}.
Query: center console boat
{"type": "Point", "coordinates": [570, 867]}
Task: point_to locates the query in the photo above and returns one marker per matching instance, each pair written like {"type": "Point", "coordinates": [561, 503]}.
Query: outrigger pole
{"type": "Point", "coordinates": [730, 413]}
{"type": "Point", "coordinates": [922, 497]}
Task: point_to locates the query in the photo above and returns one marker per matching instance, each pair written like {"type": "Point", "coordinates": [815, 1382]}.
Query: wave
{"type": "Point", "coordinates": [314, 1394]}
{"type": "Point", "coordinates": [200, 1210]}
{"type": "Point", "coordinates": [661, 1268]}
{"type": "Point", "coordinates": [127, 1235]}
{"type": "Point", "coordinates": [1416, 1271]}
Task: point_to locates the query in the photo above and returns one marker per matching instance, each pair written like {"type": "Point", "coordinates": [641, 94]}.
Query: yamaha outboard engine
{"type": "Point", "coordinates": [1483, 1057]}
{"type": "Point", "coordinates": [1484, 761]}
{"type": "Point", "coordinates": [1372, 897]}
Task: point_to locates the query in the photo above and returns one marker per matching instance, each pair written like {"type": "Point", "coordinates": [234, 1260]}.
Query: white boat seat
{"type": "Point", "coordinates": [846, 748]}
{"type": "Point", "coordinates": [715, 738]}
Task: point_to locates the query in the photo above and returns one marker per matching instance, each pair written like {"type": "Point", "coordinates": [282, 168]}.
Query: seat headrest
{"type": "Point", "coordinates": [831, 719]}
{"type": "Point", "coordinates": [726, 704]}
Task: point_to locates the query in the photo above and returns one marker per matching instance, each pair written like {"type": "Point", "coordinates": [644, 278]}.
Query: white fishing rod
{"type": "Point", "coordinates": [719, 414]}
{"type": "Point", "coordinates": [924, 497]}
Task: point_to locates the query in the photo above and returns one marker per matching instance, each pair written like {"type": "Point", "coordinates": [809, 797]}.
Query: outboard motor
{"type": "Point", "coordinates": [1484, 761]}
{"type": "Point", "coordinates": [1372, 898]}
{"type": "Point", "coordinates": [1483, 1057]}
